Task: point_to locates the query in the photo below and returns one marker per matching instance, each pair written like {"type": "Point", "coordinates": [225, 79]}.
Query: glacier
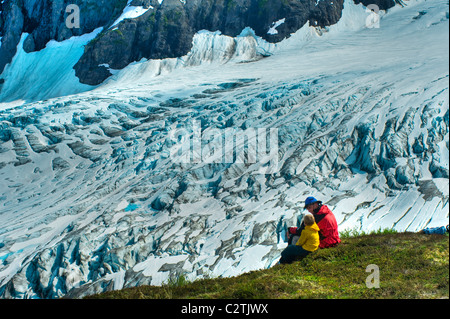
{"type": "Point", "coordinates": [44, 74]}
{"type": "Point", "coordinates": [92, 198]}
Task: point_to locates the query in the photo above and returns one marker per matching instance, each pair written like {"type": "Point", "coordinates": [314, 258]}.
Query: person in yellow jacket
{"type": "Point", "coordinates": [307, 243]}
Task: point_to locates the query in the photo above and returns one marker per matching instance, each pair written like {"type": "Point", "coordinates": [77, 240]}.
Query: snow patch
{"type": "Point", "coordinates": [44, 74]}
{"type": "Point", "coordinates": [130, 12]}
{"type": "Point", "coordinates": [275, 25]}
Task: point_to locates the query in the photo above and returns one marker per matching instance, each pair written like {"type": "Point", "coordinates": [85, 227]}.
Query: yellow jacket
{"type": "Point", "coordinates": [309, 239]}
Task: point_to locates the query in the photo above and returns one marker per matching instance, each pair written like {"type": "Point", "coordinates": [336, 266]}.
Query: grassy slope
{"type": "Point", "coordinates": [410, 266]}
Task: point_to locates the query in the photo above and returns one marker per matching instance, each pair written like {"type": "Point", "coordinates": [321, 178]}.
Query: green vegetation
{"type": "Point", "coordinates": [353, 232]}
{"type": "Point", "coordinates": [410, 265]}
{"type": "Point", "coordinates": [120, 4]}
{"type": "Point", "coordinates": [231, 4]}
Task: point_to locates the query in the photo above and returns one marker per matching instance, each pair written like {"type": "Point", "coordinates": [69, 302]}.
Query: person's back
{"type": "Point", "coordinates": [328, 227]}
{"type": "Point", "coordinates": [309, 239]}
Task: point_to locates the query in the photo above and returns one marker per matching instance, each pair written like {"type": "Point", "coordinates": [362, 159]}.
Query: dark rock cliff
{"type": "Point", "coordinates": [46, 20]}
{"type": "Point", "coordinates": [167, 30]}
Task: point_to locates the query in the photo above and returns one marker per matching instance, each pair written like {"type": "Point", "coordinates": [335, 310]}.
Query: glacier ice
{"type": "Point", "coordinates": [44, 74]}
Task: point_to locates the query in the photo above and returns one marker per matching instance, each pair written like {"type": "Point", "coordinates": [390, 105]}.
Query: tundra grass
{"type": "Point", "coordinates": [401, 266]}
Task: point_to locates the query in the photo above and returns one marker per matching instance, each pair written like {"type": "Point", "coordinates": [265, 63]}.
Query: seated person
{"type": "Point", "coordinates": [307, 243]}
{"type": "Point", "coordinates": [325, 219]}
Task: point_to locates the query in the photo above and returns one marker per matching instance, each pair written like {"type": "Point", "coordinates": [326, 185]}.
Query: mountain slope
{"type": "Point", "coordinates": [411, 266]}
{"type": "Point", "coordinates": [127, 31]}
{"type": "Point", "coordinates": [97, 193]}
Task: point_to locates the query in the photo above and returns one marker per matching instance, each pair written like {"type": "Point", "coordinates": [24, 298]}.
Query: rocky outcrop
{"type": "Point", "coordinates": [167, 30]}
{"type": "Point", "coordinates": [46, 20]}
{"type": "Point", "coordinates": [11, 26]}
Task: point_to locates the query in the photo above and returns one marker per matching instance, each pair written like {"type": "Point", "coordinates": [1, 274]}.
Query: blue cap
{"type": "Point", "coordinates": [311, 200]}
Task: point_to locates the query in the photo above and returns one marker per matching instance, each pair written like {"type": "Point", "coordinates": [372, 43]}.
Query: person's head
{"type": "Point", "coordinates": [309, 220]}
{"type": "Point", "coordinates": [312, 204]}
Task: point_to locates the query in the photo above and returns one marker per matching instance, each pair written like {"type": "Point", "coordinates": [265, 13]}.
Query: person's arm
{"type": "Point", "coordinates": [302, 240]}
{"type": "Point", "coordinates": [328, 233]}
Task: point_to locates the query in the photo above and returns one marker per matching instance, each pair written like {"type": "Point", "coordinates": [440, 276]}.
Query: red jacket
{"type": "Point", "coordinates": [327, 223]}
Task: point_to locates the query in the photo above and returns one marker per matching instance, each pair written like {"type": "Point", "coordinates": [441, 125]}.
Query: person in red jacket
{"type": "Point", "coordinates": [325, 219]}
